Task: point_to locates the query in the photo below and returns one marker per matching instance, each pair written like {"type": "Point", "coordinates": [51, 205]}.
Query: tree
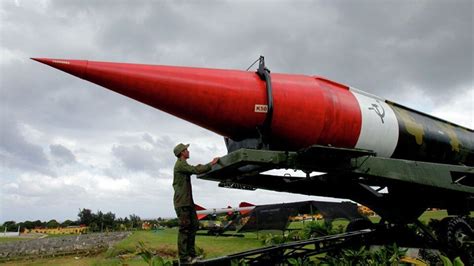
{"type": "Point", "coordinates": [135, 221]}
{"type": "Point", "coordinates": [99, 220]}
{"type": "Point", "coordinates": [28, 224]}
{"type": "Point", "coordinates": [52, 224]}
{"type": "Point", "coordinates": [85, 217]}
{"type": "Point", "coordinates": [127, 223]}
{"type": "Point", "coordinates": [119, 224]}
{"type": "Point", "coordinates": [68, 223]}
{"type": "Point", "coordinates": [94, 227]}
{"type": "Point", "coordinates": [109, 220]}
{"type": "Point", "coordinates": [38, 223]}
{"type": "Point", "coordinates": [10, 225]}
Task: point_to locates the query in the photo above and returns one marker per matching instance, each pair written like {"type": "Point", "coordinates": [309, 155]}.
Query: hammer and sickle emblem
{"type": "Point", "coordinates": [378, 109]}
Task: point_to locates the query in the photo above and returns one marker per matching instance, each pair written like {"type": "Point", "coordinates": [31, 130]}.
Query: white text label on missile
{"type": "Point", "coordinates": [261, 108]}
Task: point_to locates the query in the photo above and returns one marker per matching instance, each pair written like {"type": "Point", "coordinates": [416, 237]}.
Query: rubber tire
{"type": "Point", "coordinates": [450, 231]}
{"type": "Point", "coordinates": [455, 227]}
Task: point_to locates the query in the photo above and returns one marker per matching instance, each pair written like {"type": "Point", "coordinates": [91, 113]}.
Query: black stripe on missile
{"type": "Point", "coordinates": [427, 138]}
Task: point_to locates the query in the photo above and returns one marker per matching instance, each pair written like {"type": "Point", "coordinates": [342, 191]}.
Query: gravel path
{"type": "Point", "coordinates": [58, 246]}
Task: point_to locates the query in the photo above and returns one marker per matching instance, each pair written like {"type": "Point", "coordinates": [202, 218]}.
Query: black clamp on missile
{"type": "Point", "coordinates": [264, 74]}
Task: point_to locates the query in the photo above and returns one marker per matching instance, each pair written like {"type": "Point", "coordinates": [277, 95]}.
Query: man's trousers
{"type": "Point", "coordinates": [188, 225]}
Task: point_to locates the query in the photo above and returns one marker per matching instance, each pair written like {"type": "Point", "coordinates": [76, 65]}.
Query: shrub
{"type": "Point", "coordinates": [149, 257]}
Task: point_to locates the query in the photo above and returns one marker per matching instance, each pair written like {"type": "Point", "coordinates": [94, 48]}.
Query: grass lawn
{"type": "Point", "coordinates": [164, 242]}
{"type": "Point", "coordinates": [11, 239]}
{"type": "Point", "coordinates": [23, 238]}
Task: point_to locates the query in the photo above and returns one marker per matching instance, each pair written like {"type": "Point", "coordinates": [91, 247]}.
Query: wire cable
{"type": "Point", "coordinates": [252, 64]}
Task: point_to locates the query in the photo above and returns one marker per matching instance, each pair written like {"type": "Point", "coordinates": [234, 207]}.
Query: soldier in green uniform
{"type": "Point", "coordinates": [184, 203]}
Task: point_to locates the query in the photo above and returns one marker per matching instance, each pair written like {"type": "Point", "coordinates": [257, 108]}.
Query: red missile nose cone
{"type": "Point", "coordinates": [73, 67]}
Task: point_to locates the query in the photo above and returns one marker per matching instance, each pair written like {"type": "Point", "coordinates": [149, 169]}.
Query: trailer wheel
{"type": "Point", "coordinates": [458, 233]}
{"type": "Point", "coordinates": [457, 236]}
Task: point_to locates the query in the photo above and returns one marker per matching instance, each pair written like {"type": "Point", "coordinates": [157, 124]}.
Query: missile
{"type": "Point", "coordinates": [289, 112]}
{"type": "Point", "coordinates": [242, 209]}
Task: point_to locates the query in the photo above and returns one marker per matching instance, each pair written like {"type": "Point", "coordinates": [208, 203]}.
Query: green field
{"type": "Point", "coordinates": [164, 243]}
{"type": "Point", "coordinates": [10, 239]}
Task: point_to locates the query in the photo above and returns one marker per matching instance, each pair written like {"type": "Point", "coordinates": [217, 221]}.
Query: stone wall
{"type": "Point", "coordinates": [60, 246]}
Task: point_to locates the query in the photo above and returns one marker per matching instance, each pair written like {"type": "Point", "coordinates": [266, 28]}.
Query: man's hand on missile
{"type": "Point", "coordinates": [215, 160]}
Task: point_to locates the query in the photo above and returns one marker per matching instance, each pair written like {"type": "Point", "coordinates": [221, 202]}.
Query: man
{"type": "Point", "coordinates": [184, 203]}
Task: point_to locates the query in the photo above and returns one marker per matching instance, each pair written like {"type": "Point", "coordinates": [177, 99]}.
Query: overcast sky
{"type": "Point", "coordinates": [67, 144]}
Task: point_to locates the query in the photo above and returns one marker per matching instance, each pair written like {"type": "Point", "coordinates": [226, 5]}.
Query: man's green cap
{"type": "Point", "coordinates": [179, 148]}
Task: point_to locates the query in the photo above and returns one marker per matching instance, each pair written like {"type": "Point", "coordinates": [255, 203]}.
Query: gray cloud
{"type": "Point", "coordinates": [62, 155]}
{"type": "Point", "coordinates": [146, 158]}
{"type": "Point", "coordinates": [136, 158]}
{"type": "Point", "coordinates": [412, 48]}
{"type": "Point", "coordinates": [17, 152]}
